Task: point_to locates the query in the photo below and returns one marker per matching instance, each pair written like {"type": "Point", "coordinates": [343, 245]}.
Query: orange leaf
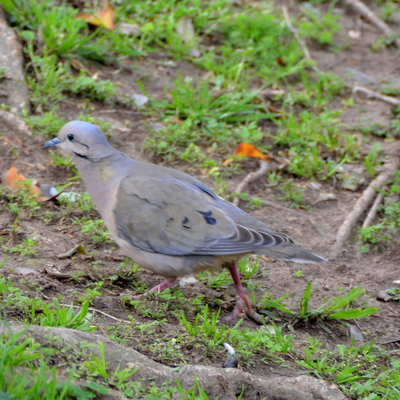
{"type": "Point", "coordinates": [104, 18]}
{"type": "Point", "coordinates": [12, 177]}
{"type": "Point", "coordinates": [245, 149]}
{"type": "Point", "coordinates": [228, 161]}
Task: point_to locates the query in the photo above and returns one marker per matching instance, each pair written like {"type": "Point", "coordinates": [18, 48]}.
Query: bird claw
{"type": "Point", "coordinates": [239, 309]}
{"type": "Point", "coordinates": [132, 297]}
{"type": "Point", "coordinates": [255, 316]}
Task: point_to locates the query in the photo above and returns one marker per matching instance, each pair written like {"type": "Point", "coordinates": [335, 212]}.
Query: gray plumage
{"type": "Point", "coordinates": [164, 219]}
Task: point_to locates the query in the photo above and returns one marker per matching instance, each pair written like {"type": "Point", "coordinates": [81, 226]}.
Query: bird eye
{"type": "Point", "coordinates": [70, 137]}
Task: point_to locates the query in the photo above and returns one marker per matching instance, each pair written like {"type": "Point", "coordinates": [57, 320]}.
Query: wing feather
{"type": "Point", "coordinates": [174, 217]}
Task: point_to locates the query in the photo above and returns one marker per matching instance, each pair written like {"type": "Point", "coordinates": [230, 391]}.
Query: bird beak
{"type": "Point", "coordinates": [52, 143]}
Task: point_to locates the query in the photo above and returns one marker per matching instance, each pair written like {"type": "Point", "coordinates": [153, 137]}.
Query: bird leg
{"type": "Point", "coordinates": [243, 297]}
{"type": "Point", "coordinates": [159, 288]}
{"type": "Point", "coordinates": [162, 286]}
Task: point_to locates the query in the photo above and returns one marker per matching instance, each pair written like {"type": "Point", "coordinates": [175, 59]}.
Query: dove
{"type": "Point", "coordinates": [168, 221]}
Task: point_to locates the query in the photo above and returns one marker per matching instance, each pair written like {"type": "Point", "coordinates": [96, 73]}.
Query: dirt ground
{"type": "Point", "coordinates": [372, 271]}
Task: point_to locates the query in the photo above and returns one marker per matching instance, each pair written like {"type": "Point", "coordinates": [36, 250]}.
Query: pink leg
{"type": "Point", "coordinates": [162, 286]}
{"type": "Point", "coordinates": [243, 297]}
{"type": "Point", "coordinates": [159, 288]}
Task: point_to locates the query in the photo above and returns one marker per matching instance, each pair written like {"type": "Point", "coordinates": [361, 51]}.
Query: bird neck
{"type": "Point", "coordinates": [102, 176]}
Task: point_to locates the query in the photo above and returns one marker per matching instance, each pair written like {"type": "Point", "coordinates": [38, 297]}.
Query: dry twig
{"type": "Point", "coordinates": [250, 178]}
{"type": "Point", "coordinates": [360, 8]}
{"type": "Point", "coordinates": [99, 312]}
{"type": "Point", "coordinates": [281, 207]}
{"type": "Point", "coordinates": [363, 202]}
{"type": "Point", "coordinates": [370, 93]}
{"type": "Point", "coordinates": [372, 212]}
{"type": "Point", "coordinates": [300, 40]}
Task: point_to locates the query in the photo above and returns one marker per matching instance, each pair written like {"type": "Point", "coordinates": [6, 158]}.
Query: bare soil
{"type": "Point", "coordinates": [372, 271]}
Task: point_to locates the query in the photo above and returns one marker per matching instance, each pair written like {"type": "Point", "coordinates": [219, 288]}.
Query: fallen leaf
{"type": "Point", "coordinates": [186, 30]}
{"type": "Point", "coordinates": [228, 161]}
{"type": "Point", "coordinates": [104, 18]}
{"type": "Point", "coordinates": [355, 333]}
{"type": "Point", "coordinates": [14, 180]}
{"type": "Point", "coordinates": [78, 249]}
{"type": "Point", "coordinates": [280, 61]}
{"type": "Point", "coordinates": [79, 65]}
{"type": "Point", "coordinates": [274, 110]}
{"type": "Point", "coordinates": [245, 149]}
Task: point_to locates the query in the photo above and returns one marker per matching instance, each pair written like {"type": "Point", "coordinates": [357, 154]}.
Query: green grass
{"type": "Point", "coordinates": [248, 269]}
{"type": "Point", "coordinates": [25, 374]}
{"type": "Point", "coordinates": [158, 20]}
{"type": "Point", "coordinates": [339, 308]}
{"type": "Point", "coordinates": [304, 138]}
{"type": "Point", "coordinates": [50, 79]}
{"type": "Point", "coordinates": [93, 229]}
{"type": "Point", "coordinates": [361, 371]}
{"type": "Point", "coordinates": [379, 235]}
{"type": "Point", "coordinates": [26, 249]}
{"type": "Point", "coordinates": [196, 116]}
{"type": "Point", "coordinates": [244, 49]}
{"type": "Point", "coordinates": [365, 369]}
{"type": "Point", "coordinates": [203, 119]}
{"type": "Point", "coordinates": [319, 26]}
{"type": "Point", "coordinates": [20, 202]}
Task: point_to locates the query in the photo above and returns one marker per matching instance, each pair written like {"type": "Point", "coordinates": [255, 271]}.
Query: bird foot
{"type": "Point", "coordinates": [243, 297]}
{"type": "Point", "coordinates": [159, 288]}
{"type": "Point", "coordinates": [255, 316]}
{"type": "Point", "coordinates": [240, 309]}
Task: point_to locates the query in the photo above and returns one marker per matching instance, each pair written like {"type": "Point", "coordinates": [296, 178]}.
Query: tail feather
{"type": "Point", "coordinates": [292, 252]}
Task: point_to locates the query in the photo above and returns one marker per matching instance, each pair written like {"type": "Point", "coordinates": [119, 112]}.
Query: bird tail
{"type": "Point", "coordinates": [292, 252]}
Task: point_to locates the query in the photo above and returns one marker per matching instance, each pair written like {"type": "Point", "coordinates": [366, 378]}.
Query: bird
{"type": "Point", "coordinates": [168, 221]}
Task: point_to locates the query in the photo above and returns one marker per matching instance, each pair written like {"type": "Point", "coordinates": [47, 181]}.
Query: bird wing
{"type": "Point", "coordinates": [175, 217]}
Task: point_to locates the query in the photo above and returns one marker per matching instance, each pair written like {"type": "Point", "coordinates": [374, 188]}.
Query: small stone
{"type": "Point", "coordinates": [140, 99]}
{"type": "Point", "coordinates": [353, 34]}
{"type": "Point", "coordinates": [383, 296]}
{"type": "Point", "coordinates": [26, 271]}
{"type": "Point", "coordinates": [129, 29]}
{"type": "Point", "coordinates": [187, 280]}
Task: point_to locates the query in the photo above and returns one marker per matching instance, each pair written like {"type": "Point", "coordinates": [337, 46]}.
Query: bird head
{"type": "Point", "coordinates": [81, 140]}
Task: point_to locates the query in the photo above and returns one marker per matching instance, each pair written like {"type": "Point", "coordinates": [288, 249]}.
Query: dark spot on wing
{"type": "Point", "coordinates": [169, 220]}
{"type": "Point", "coordinates": [184, 222]}
{"type": "Point", "coordinates": [206, 190]}
{"type": "Point", "coordinates": [205, 213]}
{"type": "Point", "coordinates": [207, 216]}
{"type": "Point", "coordinates": [210, 220]}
